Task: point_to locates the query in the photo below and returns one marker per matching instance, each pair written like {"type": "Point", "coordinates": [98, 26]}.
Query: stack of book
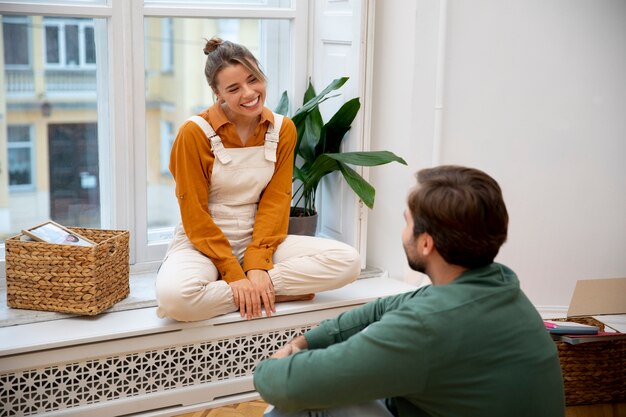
{"type": "Point", "coordinates": [575, 333]}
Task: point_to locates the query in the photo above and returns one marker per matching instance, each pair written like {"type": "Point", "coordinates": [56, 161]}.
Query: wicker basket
{"type": "Point", "coordinates": [68, 278]}
{"type": "Point", "coordinates": [593, 372]}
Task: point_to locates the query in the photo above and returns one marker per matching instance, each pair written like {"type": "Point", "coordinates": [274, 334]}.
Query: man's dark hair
{"type": "Point", "coordinates": [464, 212]}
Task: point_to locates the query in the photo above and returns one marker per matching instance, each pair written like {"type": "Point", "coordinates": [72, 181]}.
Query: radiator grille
{"type": "Point", "coordinates": [70, 385]}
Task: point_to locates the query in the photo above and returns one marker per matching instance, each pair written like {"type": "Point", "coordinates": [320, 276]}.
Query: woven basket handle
{"type": "Point", "coordinates": [112, 248]}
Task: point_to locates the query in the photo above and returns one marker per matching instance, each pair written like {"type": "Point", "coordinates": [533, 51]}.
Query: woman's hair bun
{"type": "Point", "coordinates": [212, 44]}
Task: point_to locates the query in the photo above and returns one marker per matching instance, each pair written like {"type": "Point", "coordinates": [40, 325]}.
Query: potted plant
{"type": "Point", "coordinates": [318, 153]}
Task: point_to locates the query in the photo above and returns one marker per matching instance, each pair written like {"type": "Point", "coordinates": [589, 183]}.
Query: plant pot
{"type": "Point", "coordinates": [301, 224]}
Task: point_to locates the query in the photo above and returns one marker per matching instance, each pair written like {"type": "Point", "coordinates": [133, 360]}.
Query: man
{"type": "Point", "coordinates": [470, 344]}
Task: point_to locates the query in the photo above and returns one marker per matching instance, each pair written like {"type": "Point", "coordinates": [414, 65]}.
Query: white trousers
{"type": "Point", "coordinates": [188, 287]}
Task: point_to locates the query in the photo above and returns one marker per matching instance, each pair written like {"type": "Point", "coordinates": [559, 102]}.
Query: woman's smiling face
{"type": "Point", "coordinates": [241, 91]}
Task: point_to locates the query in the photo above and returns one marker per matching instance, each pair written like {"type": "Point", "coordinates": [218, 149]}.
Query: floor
{"type": "Point", "coordinates": [256, 408]}
{"type": "Point", "coordinates": [597, 410]}
{"type": "Point", "coordinates": [248, 409]}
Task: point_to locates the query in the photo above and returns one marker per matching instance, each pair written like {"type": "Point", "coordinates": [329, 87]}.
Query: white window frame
{"type": "Point", "coordinates": [121, 84]}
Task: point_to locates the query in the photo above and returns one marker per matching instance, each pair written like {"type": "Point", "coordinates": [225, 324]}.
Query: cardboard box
{"type": "Point", "coordinates": [595, 297]}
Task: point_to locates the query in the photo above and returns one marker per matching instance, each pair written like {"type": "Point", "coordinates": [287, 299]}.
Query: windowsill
{"type": "Point", "coordinates": [28, 331]}
{"type": "Point", "coordinates": [141, 296]}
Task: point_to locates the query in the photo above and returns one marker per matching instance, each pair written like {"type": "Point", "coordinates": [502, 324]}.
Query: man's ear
{"type": "Point", "coordinates": [427, 244]}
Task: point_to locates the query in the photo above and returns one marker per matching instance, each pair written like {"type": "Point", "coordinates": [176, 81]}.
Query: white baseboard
{"type": "Point", "coordinates": [552, 311]}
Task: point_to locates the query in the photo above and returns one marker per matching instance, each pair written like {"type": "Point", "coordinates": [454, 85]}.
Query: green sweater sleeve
{"type": "Point", "coordinates": [353, 321]}
{"type": "Point", "coordinates": [362, 359]}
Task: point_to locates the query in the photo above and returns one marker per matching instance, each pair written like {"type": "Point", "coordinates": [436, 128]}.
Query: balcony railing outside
{"type": "Point", "coordinates": [19, 81]}
{"type": "Point", "coordinates": [66, 81]}
{"type": "Point", "coordinates": [22, 81]}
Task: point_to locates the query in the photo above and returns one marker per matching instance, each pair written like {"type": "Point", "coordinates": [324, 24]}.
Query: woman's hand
{"type": "Point", "coordinates": [262, 282]}
{"type": "Point", "coordinates": [246, 298]}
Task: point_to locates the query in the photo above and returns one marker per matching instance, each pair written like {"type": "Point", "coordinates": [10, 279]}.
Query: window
{"type": "Point", "coordinates": [89, 133]}
{"type": "Point", "coordinates": [20, 157]}
{"type": "Point", "coordinates": [69, 43]}
{"type": "Point", "coordinates": [18, 75]}
{"type": "Point", "coordinates": [16, 28]}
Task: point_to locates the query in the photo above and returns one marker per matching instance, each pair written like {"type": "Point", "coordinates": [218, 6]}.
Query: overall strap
{"type": "Point", "coordinates": [216, 142]}
{"type": "Point", "coordinates": [272, 137]}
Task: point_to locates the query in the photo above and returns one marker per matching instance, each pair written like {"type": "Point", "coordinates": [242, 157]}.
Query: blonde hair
{"type": "Point", "coordinates": [222, 53]}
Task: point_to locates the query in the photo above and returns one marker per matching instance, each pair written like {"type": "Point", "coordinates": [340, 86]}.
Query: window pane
{"type": "Point", "coordinates": [172, 97]}
{"type": "Point", "coordinates": [71, 45]}
{"type": "Point", "coordinates": [90, 46]}
{"type": "Point", "coordinates": [52, 45]}
{"type": "Point", "coordinates": [20, 167]}
{"type": "Point", "coordinates": [18, 33]}
{"type": "Point", "coordinates": [20, 156]}
{"type": "Point", "coordinates": [19, 134]}
{"type": "Point", "coordinates": [51, 142]}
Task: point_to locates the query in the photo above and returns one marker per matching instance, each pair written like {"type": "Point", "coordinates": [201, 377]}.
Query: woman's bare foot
{"type": "Point", "coordinates": [285, 298]}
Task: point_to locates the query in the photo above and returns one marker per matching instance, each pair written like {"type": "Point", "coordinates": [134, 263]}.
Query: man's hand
{"type": "Point", "coordinates": [246, 298]}
{"type": "Point", "coordinates": [296, 345]}
{"type": "Point", "coordinates": [262, 282]}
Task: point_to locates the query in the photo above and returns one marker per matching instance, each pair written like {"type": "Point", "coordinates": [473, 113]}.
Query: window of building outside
{"type": "Point", "coordinates": [69, 43]}
{"type": "Point", "coordinates": [17, 29]}
{"type": "Point", "coordinates": [21, 160]}
{"type": "Point", "coordinates": [57, 136]}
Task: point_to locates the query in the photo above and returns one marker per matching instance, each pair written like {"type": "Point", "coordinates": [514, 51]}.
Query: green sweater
{"type": "Point", "coordinates": [474, 347]}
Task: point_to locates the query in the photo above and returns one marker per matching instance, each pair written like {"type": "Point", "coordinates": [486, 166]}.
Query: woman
{"type": "Point", "coordinates": [233, 168]}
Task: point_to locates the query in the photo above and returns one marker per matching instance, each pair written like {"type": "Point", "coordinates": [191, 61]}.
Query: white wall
{"type": "Point", "coordinates": [534, 93]}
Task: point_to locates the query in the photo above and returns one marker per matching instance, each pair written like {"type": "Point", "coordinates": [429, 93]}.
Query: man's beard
{"type": "Point", "coordinates": [414, 260]}
{"type": "Point", "coordinates": [417, 265]}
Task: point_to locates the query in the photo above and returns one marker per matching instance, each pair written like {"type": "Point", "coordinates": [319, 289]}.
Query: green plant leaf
{"type": "Point", "coordinates": [325, 164]}
{"type": "Point", "coordinates": [299, 119]}
{"type": "Point", "coordinates": [298, 174]}
{"type": "Point", "coordinates": [312, 130]}
{"type": "Point", "coordinates": [333, 132]}
{"type": "Point", "coordinates": [283, 104]}
{"type": "Point", "coordinates": [308, 120]}
{"type": "Point", "coordinates": [322, 165]}
{"type": "Point", "coordinates": [367, 158]}
{"type": "Point", "coordinates": [309, 93]}
{"type": "Point", "coordinates": [362, 188]}
{"type": "Point", "coordinates": [314, 101]}
{"type": "Point", "coordinates": [329, 162]}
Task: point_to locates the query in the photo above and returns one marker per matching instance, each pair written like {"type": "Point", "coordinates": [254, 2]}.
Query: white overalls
{"type": "Point", "coordinates": [188, 287]}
